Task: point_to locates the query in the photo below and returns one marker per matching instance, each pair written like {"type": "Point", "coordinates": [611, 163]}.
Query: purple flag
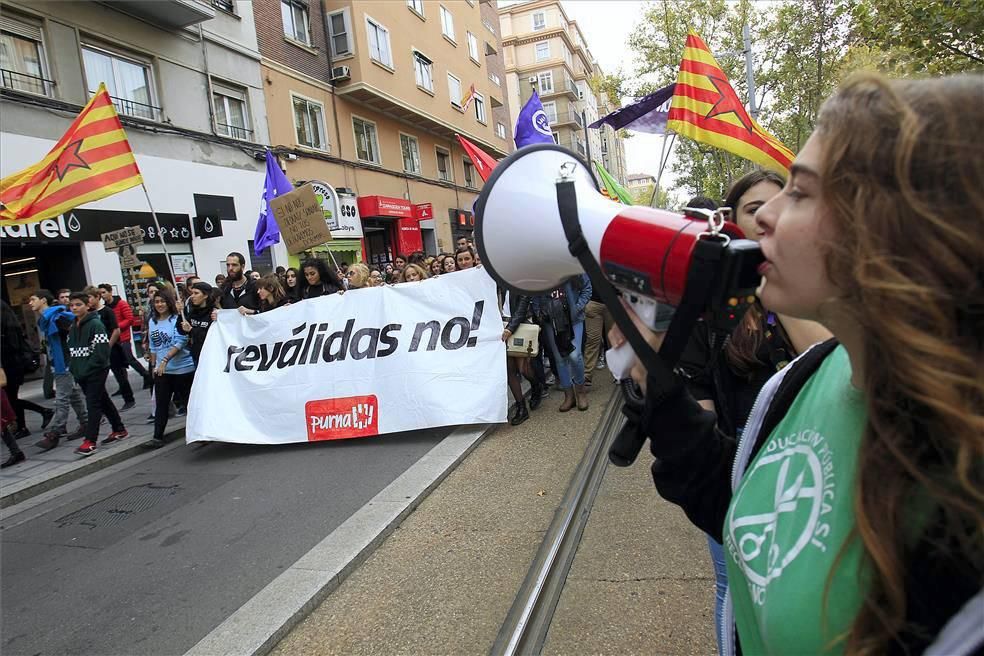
{"type": "Point", "coordinates": [533, 126]}
{"type": "Point", "coordinates": [276, 184]}
{"type": "Point", "coordinates": [647, 115]}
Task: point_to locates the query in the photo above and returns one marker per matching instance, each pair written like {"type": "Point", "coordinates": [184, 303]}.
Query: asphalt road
{"type": "Point", "coordinates": [150, 559]}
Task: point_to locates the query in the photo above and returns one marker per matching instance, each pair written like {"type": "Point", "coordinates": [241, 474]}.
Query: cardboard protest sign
{"type": "Point", "coordinates": [300, 219]}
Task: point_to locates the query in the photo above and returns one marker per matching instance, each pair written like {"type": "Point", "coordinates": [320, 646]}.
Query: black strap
{"type": "Point", "coordinates": [706, 256]}
{"type": "Point", "coordinates": [578, 247]}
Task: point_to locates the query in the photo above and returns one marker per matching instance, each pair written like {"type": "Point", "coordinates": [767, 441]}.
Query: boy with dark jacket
{"type": "Point", "coordinates": [88, 347]}
{"type": "Point", "coordinates": [54, 322]}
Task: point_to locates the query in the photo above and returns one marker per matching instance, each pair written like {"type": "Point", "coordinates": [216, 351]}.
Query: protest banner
{"type": "Point", "coordinates": [301, 219]}
{"type": "Point", "coordinates": [369, 362]}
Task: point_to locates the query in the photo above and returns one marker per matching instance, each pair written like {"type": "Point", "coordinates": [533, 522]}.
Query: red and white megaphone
{"type": "Point", "coordinates": [641, 250]}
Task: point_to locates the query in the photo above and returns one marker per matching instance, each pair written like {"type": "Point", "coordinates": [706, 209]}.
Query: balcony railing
{"type": "Point", "coordinates": [564, 118]}
{"type": "Point", "coordinates": [135, 109]}
{"type": "Point", "coordinates": [234, 131]}
{"type": "Point", "coordinates": [24, 82]}
{"type": "Point", "coordinates": [225, 5]}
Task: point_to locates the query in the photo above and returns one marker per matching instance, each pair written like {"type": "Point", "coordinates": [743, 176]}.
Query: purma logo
{"type": "Point", "coordinates": [342, 418]}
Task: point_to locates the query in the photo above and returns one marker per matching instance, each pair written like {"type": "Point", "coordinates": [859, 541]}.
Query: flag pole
{"type": "Point", "coordinates": [662, 165]}
{"type": "Point", "coordinates": [167, 256]}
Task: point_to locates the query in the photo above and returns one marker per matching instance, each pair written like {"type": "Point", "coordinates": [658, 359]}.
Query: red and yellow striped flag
{"type": "Point", "coordinates": [91, 161]}
{"type": "Point", "coordinates": [706, 108]}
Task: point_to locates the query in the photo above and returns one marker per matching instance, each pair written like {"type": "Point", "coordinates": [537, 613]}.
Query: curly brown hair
{"type": "Point", "coordinates": [903, 182]}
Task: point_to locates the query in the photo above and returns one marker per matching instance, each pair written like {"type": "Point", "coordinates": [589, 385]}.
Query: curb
{"type": "Point", "coordinates": [260, 623]}
{"type": "Point", "coordinates": [71, 471]}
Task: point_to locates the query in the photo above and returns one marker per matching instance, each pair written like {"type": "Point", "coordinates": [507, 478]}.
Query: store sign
{"type": "Point", "coordinates": [89, 225]}
{"type": "Point", "coordinates": [207, 227]}
{"type": "Point", "coordinates": [349, 221]}
{"type": "Point", "coordinates": [183, 266]}
{"type": "Point", "coordinates": [423, 211]}
{"type": "Point", "coordinates": [385, 206]}
{"type": "Point", "coordinates": [326, 195]}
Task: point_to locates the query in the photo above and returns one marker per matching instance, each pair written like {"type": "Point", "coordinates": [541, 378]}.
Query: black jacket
{"type": "Point", "coordinates": [245, 296]}
{"type": "Point", "coordinates": [323, 288]}
{"type": "Point", "coordinates": [200, 319]}
{"type": "Point", "coordinates": [283, 302]}
{"type": "Point", "coordinates": [519, 311]}
{"type": "Point", "coordinates": [696, 464]}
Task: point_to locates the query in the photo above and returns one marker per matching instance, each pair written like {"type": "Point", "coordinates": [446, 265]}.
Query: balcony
{"type": "Point", "coordinates": [568, 118]}
{"type": "Point", "coordinates": [569, 90]}
{"type": "Point", "coordinates": [24, 82]}
{"type": "Point", "coordinates": [134, 109]}
{"type": "Point", "coordinates": [169, 14]}
{"type": "Point", "coordinates": [575, 145]}
{"type": "Point", "coordinates": [234, 131]}
{"type": "Point", "coordinates": [383, 101]}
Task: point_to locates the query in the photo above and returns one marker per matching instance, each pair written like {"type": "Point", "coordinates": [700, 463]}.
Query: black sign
{"type": "Point", "coordinates": [223, 207]}
{"type": "Point", "coordinates": [89, 225]}
{"type": "Point", "coordinates": [207, 226]}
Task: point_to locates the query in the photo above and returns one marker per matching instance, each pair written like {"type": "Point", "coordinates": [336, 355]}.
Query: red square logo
{"type": "Point", "coordinates": [339, 419]}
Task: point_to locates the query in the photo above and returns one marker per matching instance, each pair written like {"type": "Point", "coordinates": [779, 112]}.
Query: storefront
{"type": "Point", "coordinates": [462, 224]}
{"type": "Point", "coordinates": [391, 226]}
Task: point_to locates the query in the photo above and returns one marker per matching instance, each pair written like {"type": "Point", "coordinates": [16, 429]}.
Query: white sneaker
{"type": "Point", "coordinates": [601, 362]}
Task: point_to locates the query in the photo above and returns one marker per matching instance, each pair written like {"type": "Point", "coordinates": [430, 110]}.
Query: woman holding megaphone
{"type": "Point", "coordinates": [851, 507]}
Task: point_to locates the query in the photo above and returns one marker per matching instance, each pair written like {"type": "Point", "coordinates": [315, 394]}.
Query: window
{"type": "Point", "coordinates": [545, 82]}
{"type": "Point", "coordinates": [488, 26]}
{"type": "Point", "coordinates": [229, 106]}
{"type": "Point", "coordinates": [444, 165]}
{"type": "Point", "coordinates": [500, 130]}
{"type": "Point", "coordinates": [447, 23]}
{"type": "Point", "coordinates": [339, 31]}
{"type": "Point", "coordinates": [495, 79]}
{"type": "Point", "coordinates": [539, 21]}
{"type": "Point", "coordinates": [542, 50]}
{"type": "Point", "coordinates": [472, 46]}
{"type": "Point", "coordinates": [297, 26]}
{"type": "Point", "coordinates": [423, 69]}
{"type": "Point", "coordinates": [469, 173]}
{"type": "Point", "coordinates": [417, 6]}
{"type": "Point", "coordinates": [379, 43]}
{"type": "Point", "coordinates": [128, 82]}
{"type": "Point", "coordinates": [309, 122]}
{"type": "Point", "coordinates": [480, 109]}
{"type": "Point", "coordinates": [411, 153]}
{"type": "Point", "coordinates": [366, 143]}
{"type": "Point", "coordinates": [454, 90]}
{"type": "Point", "coordinates": [21, 58]}
{"type": "Point", "coordinates": [556, 138]}
{"type": "Point", "coordinates": [550, 109]}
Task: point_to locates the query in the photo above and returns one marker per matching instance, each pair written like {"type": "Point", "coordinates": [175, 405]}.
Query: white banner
{"type": "Point", "coordinates": [369, 362]}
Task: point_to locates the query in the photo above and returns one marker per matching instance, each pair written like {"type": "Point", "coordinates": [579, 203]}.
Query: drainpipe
{"type": "Point", "coordinates": [208, 83]}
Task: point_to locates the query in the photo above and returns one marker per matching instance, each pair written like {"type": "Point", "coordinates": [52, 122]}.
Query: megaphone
{"type": "Point", "coordinates": [641, 250]}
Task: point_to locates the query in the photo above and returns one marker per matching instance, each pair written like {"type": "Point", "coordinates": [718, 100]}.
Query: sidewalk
{"type": "Point", "coordinates": [43, 471]}
{"type": "Point", "coordinates": [444, 580]}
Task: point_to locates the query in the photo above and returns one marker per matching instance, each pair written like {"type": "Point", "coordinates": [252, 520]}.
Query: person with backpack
{"type": "Point", "coordinates": [851, 506]}
{"type": "Point", "coordinates": [560, 314]}
{"type": "Point", "coordinates": [54, 322]}
{"type": "Point", "coordinates": [19, 359]}
{"type": "Point", "coordinates": [88, 349]}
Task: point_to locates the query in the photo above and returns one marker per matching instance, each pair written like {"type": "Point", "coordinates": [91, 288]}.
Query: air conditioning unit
{"type": "Point", "coordinates": [340, 74]}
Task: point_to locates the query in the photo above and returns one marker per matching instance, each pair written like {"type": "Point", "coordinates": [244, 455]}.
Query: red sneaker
{"type": "Point", "coordinates": [87, 448]}
{"type": "Point", "coordinates": [115, 436]}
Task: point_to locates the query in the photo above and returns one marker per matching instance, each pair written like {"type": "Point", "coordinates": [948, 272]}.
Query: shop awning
{"type": "Point", "coordinates": [385, 207]}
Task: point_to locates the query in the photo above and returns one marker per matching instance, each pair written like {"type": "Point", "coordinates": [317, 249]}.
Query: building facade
{"type": "Point", "coordinates": [185, 79]}
{"type": "Point", "coordinates": [368, 96]}
{"type": "Point", "coordinates": [544, 49]}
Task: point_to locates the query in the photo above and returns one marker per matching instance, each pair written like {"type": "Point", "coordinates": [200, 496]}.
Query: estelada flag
{"type": "Point", "coordinates": [706, 108]}
{"type": "Point", "coordinates": [484, 163]}
{"type": "Point", "coordinates": [92, 160]}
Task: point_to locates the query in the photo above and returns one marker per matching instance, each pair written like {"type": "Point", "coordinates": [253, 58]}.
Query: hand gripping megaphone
{"type": "Point", "coordinates": [541, 219]}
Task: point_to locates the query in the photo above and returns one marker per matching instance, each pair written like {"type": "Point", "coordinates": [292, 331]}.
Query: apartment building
{"type": "Point", "coordinates": [639, 180]}
{"type": "Point", "coordinates": [368, 96]}
{"type": "Point", "coordinates": [544, 49]}
{"type": "Point", "coordinates": [185, 78]}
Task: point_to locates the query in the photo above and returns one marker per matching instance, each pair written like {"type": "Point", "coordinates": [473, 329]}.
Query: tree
{"type": "Point", "coordinates": [803, 50]}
